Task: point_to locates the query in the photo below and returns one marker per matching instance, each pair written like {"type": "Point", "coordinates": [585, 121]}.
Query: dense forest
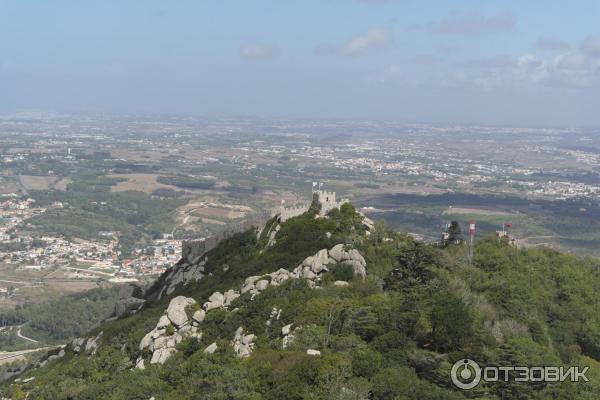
{"type": "Point", "coordinates": [393, 335]}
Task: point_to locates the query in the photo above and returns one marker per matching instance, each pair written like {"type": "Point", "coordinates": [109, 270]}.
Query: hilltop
{"type": "Point", "coordinates": [326, 305]}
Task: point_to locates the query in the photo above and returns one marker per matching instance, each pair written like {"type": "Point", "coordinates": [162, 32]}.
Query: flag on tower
{"type": "Point", "coordinates": [472, 228]}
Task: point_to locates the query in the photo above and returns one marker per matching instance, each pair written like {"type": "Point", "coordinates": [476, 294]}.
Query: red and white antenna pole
{"type": "Point", "coordinates": [471, 237]}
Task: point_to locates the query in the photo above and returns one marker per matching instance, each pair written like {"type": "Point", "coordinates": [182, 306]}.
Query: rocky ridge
{"type": "Point", "coordinates": [191, 268]}
{"type": "Point", "coordinates": [183, 317]}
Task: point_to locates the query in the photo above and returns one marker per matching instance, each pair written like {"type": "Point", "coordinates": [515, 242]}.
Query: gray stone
{"type": "Point", "coordinates": [279, 276]}
{"type": "Point", "coordinates": [286, 329]}
{"type": "Point", "coordinates": [308, 274]}
{"type": "Point", "coordinates": [199, 316]}
{"type": "Point", "coordinates": [308, 261]}
{"type": "Point", "coordinates": [161, 355]}
{"type": "Point", "coordinates": [211, 348]}
{"type": "Point", "coordinates": [337, 252]}
{"type": "Point", "coordinates": [248, 339]}
{"type": "Point", "coordinates": [357, 267]}
{"type": "Point", "coordinates": [312, 352]}
{"type": "Point", "coordinates": [178, 337]}
{"type": "Point", "coordinates": [131, 289]}
{"type": "Point", "coordinates": [158, 332]}
{"type": "Point", "coordinates": [184, 329]}
{"type": "Point", "coordinates": [356, 256]}
{"type": "Point", "coordinates": [160, 343]}
{"type": "Point", "coordinates": [243, 351]}
{"type": "Point", "coordinates": [176, 310]}
{"type": "Point", "coordinates": [341, 283]}
{"type": "Point", "coordinates": [211, 306]}
{"type": "Point", "coordinates": [127, 306]}
{"type": "Point", "coordinates": [238, 333]}
{"type": "Point", "coordinates": [91, 346]}
{"type": "Point", "coordinates": [287, 340]}
{"type": "Point", "coordinates": [368, 223]}
{"type": "Point", "coordinates": [216, 297]}
{"type": "Point", "coordinates": [146, 340]}
{"type": "Point", "coordinates": [251, 280]}
{"type": "Point", "coordinates": [262, 285]}
{"type": "Point", "coordinates": [319, 261]}
{"type": "Point", "coordinates": [139, 363]}
{"type": "Point", "coordinates": [247, 288]}
{"type": "Point", "coordinates": [230, 296]}
{"type": "Point", "coordinates": [76, 344]}
{"type": "Point", "coordinates": [163, 322]}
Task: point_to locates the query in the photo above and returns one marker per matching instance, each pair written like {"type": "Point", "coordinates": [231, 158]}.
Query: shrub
{"type": "Point", "coordinates": [170, 331]}
{"type": "Point", "coordinates": [366, 363]}
{"type": "Point", "coordinates": [341, 272]}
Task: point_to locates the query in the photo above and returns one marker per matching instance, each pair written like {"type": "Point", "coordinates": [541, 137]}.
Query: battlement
{"type": "Point", "coordinates": [327, 200]}
{"type": "Point", "coordinates": [286, 213]}
{"type": "Point", "coordinates": [324, 196]}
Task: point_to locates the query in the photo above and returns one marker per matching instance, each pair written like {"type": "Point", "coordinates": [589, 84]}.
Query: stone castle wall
{"type": "Point", "coordinates": [286, 213]}
{"type": "Point", "coordinates": [191, 249]}
{"type": "Point", "coordinates": [328, 201]}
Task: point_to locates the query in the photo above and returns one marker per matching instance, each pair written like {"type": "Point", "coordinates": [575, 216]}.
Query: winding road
{"type": "Point", "coordinates": [25, 337]}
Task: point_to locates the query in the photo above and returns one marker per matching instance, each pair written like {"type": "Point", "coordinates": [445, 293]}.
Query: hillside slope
{"type": "Point", "coordinates": [296, 317]}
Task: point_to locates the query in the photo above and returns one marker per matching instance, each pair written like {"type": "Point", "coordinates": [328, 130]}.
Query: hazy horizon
{"type": "Point", "coordinates": [504, 63]}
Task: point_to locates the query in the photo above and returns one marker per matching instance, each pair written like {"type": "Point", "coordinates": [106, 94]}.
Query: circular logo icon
{"type": "Point", "coordinates": [465, 374]}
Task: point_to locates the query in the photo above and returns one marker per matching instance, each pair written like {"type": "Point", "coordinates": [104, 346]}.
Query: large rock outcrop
{"type": "Point", "coordinates": [243, 344]}
{"type": "Point", "coordinates": [86, 345]}
{"type": "Point", "coordinates": [130, 299]}
{"type": "Point", "coordinates": [172, 327]}
{"type": "Point", "coordinates": [182, 273]}
{"type": "Point", "coordinates": [176, 324]}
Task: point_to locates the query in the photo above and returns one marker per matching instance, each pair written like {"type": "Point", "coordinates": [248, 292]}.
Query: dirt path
{"type": "Point", "coordinates": [25, 337]}
{"type": "Point", "coordinates": [10, 356]}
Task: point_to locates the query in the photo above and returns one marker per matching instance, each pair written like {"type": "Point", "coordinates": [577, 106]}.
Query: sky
{"type": "Point", "coordinates": [509, 62]}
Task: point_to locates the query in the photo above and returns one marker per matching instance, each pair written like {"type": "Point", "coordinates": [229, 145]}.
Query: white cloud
{"type": "Point", "coordinates": [373, 39]}
{"type": "Point", "coordinates": [474, 24]}
{"type": "Point", "coordinates": [256, 51]}
{"type": "Point", "coordinates": [530, 68]}
{"type": "Point", "coordinates": [591, 46]}
{"type": "Point", "coordinates": [572, 69]}
{"type": "Point", "coordinates": [571, 61]}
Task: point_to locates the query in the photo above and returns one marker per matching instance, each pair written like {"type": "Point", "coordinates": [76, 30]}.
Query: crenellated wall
{"type": "Point", "coordinates": [327, 200]}
{"type": "Point", "coordinates": [286, 213]}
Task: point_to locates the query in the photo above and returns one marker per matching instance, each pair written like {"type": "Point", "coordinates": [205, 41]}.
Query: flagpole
{"type": "Point", "coordinates": [471, 235]}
